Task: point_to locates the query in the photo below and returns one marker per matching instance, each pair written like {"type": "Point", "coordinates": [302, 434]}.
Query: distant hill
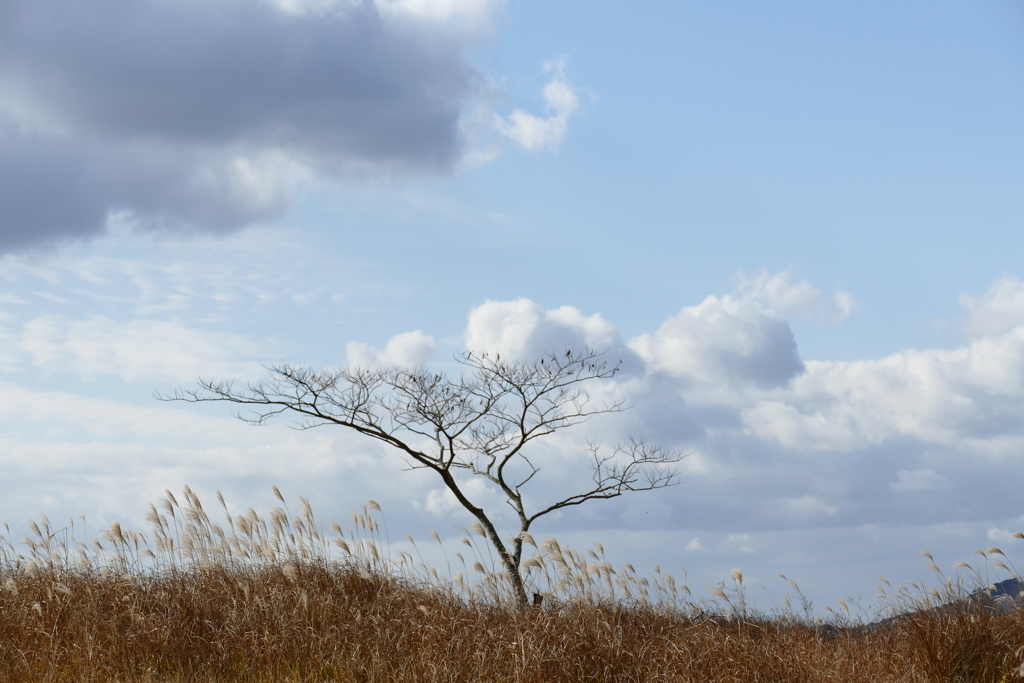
{"type": "Point", "coordinates": [1005, 596]}
{"type": "Point", "coordinates": [997, 598]}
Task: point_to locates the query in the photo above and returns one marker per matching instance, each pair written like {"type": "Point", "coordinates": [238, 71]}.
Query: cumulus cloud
{"type": "Point", "coordinates": [543, 132]}
{"type": "Point", "coordinates": [206, 113]}
{"type": "Point", "coordinates": [937, 396]}
{"type": "Point", "coordinates": [723, 379]}
{"type": "Point", "coordinates": [409, 349]}
{"type": "Point", "coordinates": [741, 338]}
{"type": "Point", "coordinates": [723, 339]}
{"type": "Point", "coordinates": [779, 294]}
{"type": "Point", "coordinates": [730, 365]}
{"type": "Point", "coordinates": [997, 311]}
{"type": "Point", "coordinates": [967, 396]}
{"type": "Point", "coordinates": [524, 329]}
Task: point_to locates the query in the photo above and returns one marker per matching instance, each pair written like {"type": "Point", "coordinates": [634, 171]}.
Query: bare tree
{"type": "Point", "coordinates": [480, 422]}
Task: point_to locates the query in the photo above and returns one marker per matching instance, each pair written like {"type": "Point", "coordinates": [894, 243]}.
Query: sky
{"type": "Point", "coordinates": [798, 224]}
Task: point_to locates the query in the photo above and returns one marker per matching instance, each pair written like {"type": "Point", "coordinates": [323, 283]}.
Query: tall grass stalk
{"type": "Point", "coordinates": [276, 597]}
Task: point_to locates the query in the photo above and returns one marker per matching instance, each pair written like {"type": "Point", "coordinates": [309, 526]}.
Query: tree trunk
{"type": "Point", "coordinates": [515, 577]}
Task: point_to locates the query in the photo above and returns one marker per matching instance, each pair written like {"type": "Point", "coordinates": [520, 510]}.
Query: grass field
{"type": "Point", "coordinates": [276, 599]}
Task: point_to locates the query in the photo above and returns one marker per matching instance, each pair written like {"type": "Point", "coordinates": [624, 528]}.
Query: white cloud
{"type": "Point", "coordinates": [315, 7]}
{"type": "Point", "coordinates": [795, 440]}
{"type": "Point", "coordinates": [920, 480]}
{"type": "Point", "coordinates": [809, 505]}
{"type": "Point", "coordinates": [780, 295]}
{"type": "Point", "coordinates": [547, 132]}
{"type": "Point", "coordinates": [963, 396]}
{"type": "Point", "coordinates": [846, 304]}
{"type": "Point", "coordinates": [525, 329]}
{"type": "Point", "coordinates": [997, 311]}
{"type": "Point", "coordinates": [723, 339]}
{"type": "Point", "coordinates": [98, 346]}
{"type": "Point", "coordinates": [442, 502]}
{"type": "Point", "coordinates": [408, 349]}
{"type": "Point", "coordinates": [474, 14]}
{"type": "Point", "coordinates": [736, 357]}
{"type": "Point", "coordinates": [694, 544]}
{"type": "Point", "coordinates": [741, 542]}
{"type": "Point", "coordinates": [997, 535]}
{"type": "Point", "coordinates": [934, 395]}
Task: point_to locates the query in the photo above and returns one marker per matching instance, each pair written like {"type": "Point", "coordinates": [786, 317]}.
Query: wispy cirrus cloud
{"type": "Point", "coordinates": [139, 349]}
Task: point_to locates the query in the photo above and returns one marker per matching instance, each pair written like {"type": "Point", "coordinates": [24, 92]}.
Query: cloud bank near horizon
{"type": "Point", "coordinates": [779, 445]}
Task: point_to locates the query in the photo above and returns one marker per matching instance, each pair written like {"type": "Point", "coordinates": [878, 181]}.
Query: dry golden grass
{"type": "Point", "coordinates": [266, 599]}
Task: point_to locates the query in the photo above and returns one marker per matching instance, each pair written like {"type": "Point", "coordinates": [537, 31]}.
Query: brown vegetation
{"type": "Point", "coordinates": [265, 600]}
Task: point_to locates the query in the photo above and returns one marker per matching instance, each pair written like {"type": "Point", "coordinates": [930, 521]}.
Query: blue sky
{"type": "Point", "coordinates": [799, 222]}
